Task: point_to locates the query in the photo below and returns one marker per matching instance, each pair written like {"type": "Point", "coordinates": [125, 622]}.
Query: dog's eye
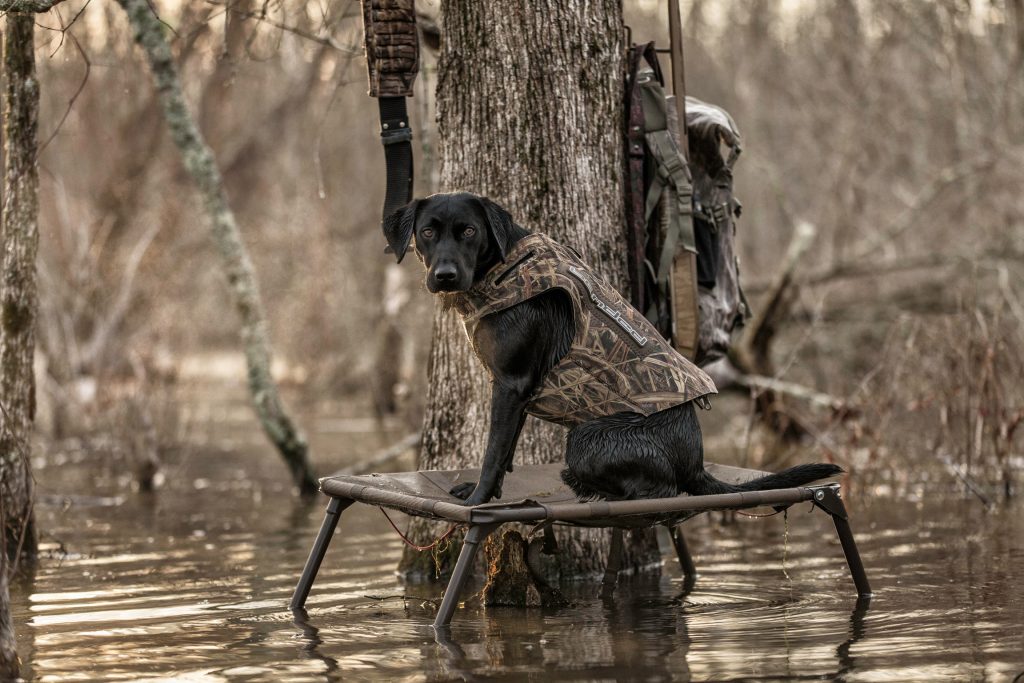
{"type": "Point", "coordinates": [427, 232]}
{"type": "Point", "coordinates": [468, 231]}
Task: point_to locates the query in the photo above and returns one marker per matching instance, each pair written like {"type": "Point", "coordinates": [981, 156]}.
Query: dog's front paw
{"type": "Point", "coordinates": [463, 490]}
{"type": "Point", "coordinates": [477, 498]}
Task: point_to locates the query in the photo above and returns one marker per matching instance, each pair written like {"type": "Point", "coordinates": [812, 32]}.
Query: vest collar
{"type": "Point", "coordinates": [512, 260]}
{"type": "Point", "coordinates": [470, 304]}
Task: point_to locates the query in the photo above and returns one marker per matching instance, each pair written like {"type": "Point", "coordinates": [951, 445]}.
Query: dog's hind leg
{"type": "Point", "coordinates": [677, 429]}
{"type": "Point", "coordinates": [614, 457]}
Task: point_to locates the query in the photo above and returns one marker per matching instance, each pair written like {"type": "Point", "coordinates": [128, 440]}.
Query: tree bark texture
{"type": "Point", "coordinates": [18, 309]}
{"type": "Point", "coordinates": [28, 5]}
{"type": "Point", "coordinates": [529, 106]}
{"type": "Point", "coordinates": [200, 164]}
{"type": "Point", "coordinates": [10, 665]}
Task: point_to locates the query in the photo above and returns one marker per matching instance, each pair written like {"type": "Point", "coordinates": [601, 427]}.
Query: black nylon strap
{"type": "Point", "coordinates": [396, 135]}
{"type": "Point", "coordinates": [636, 233]}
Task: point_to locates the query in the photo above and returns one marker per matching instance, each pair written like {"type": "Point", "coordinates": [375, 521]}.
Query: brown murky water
{"type": "Point", "coordinates": [192, 583]}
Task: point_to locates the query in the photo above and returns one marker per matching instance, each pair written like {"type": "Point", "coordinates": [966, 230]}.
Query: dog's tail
{"type": "Point", "coordinates": [704, 484]}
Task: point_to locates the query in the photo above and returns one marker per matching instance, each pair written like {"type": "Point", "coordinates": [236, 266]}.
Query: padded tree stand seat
{"type": "Point", "coordinates": [536, 494]}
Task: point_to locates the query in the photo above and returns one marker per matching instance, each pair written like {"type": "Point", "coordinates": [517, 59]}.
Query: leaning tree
{"type": "Point", "coordinates": [529, 109]}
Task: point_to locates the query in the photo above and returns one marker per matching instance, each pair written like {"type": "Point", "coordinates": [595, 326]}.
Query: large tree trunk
{"type": "Point", "coordinates": [529, 103]}
{"type": "Point", "coordinates": [18, 307]}
{"type": "Point", "coordinates": [200, 164]}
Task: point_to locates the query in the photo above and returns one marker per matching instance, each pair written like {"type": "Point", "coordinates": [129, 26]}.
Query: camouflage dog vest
{"type": "Point", "coordinates": [617, 363]}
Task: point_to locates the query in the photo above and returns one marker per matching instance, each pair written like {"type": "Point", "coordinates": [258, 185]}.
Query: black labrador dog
{"type": "Point", "coordinates": [460, 237]}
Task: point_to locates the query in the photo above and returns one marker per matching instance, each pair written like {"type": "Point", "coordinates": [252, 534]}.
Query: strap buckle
{"type": "Point", "coordinates": [393, 137]}
{"type": "Point", "coordinates": [720, 213]}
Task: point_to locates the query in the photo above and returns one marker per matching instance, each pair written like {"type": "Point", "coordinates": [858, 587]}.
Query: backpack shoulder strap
{"type": "Point", "coordinates": [672, 174]}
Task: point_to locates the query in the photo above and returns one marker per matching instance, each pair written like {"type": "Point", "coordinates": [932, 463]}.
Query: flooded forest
{"type": "Point", "coordinates": [199, 320]}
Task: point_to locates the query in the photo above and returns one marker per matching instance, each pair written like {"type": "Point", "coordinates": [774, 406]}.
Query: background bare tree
{"type": "Point", "coordinates": [199, 162]}
{"type": "Point", "coordinates": [18, 297]}
{"type": "Point", "coordinates": [19, 241]}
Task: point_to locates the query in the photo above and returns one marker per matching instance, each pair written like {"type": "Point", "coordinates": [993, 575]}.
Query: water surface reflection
{"type": "Point", "coordinates": [192, 583]}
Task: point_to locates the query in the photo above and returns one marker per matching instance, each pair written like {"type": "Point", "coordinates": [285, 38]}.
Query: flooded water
{"type": "Point", "coordinates": [192, 583]}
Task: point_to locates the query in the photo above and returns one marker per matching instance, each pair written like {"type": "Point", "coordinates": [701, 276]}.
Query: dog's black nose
{"type": "Point", "coordinates": [446, 273]}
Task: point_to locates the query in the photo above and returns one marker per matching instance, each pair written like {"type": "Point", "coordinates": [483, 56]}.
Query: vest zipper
{"type": "Point", "coordinates": [511, 269]}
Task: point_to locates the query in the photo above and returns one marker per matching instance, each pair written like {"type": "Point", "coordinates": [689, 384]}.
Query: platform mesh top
{"type": "Point", "coordinates": [535, 493]}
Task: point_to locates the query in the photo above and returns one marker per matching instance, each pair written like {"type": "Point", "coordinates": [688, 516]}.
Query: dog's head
{"type": "Point", "coordinates": [459, 237]}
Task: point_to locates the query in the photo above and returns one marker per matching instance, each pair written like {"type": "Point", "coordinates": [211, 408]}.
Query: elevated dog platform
{"type": "Point", "coordinates": [536, 494]}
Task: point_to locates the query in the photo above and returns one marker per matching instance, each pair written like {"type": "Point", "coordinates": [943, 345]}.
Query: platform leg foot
{"type": "Point", "coordinates": [611, 572]}
{"type": "Point", "coordinates": [828, 499]}
{"type": "Point", "coordinates": [860, 577]}
{"type": "Point", "coordinates": [474, 537]}
{"type": "Point", "coordinates": [683, 552]}
{"type": "Point", "coordinates": [316, 555]}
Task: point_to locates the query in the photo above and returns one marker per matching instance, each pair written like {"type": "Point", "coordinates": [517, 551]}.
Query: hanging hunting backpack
{"type": "Point", "coordinates": [681, 216]}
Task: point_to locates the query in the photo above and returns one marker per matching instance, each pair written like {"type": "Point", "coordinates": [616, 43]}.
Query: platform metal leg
{"type": "Point", "coordinates": [682, 551]}
{"type": "Point", "coordinates": [611, 572]}
{"type": "Point", "coordinates": [316, 555]}
{"type": "Point", "coordinates": [860, 577]}
{"type": "Point", "coordinates": [474, 537]}
{"type": "Point", "coordinates": [829, 500]}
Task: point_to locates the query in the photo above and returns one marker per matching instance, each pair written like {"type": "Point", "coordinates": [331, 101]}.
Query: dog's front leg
{"type": "Point", "coordinates": [508, 406]}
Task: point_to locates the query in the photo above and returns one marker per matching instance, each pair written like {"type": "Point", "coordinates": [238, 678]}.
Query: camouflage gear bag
{"type": "Point", "coordinates": [617, 363]}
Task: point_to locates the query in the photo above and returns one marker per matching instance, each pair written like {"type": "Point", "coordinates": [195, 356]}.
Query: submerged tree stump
{"type": "Point", "coordinates": [509, 581]}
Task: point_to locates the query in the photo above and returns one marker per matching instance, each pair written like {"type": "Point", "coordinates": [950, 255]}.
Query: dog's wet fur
{"type": "Point", "coordinates": [460, 237]}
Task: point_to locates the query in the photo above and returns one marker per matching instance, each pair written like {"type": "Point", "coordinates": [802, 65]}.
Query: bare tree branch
{"type": "Point", "coordinates": [329, 41]}
{"type": "Point", "coordinates": [812, 396]}
{"type": "Point", "coordinates": [106, 327]}
{"type": "Point", "coordinates": [869, 269]}
{"type": "Point", "coordinates": [915, 210]}
{"type": "Point", "coordinates": [752, 355]}
{"type": "Point", "coordinates": [74, 97]}
{"type": "Point", "coordinates": [261, 16]}
{"type": "Point", "coordinates": [385, 455]}
{"type": "Point", "coordinates": [761, 327]}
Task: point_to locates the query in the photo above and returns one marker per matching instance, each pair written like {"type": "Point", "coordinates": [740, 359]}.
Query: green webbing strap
{"type": "Point", "coordinates": [672, 174]}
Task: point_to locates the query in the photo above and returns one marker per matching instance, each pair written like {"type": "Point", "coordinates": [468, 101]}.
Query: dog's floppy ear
{"type": "Point", "coordinates": [398, 228]}
{"type": "Point", "coordinates": [499, 222]}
